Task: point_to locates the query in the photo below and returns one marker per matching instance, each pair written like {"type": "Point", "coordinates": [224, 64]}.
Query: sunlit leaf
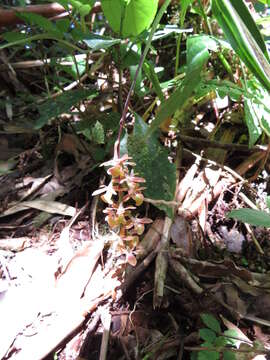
{"type": "Point", "coordinates": [97, 42]}
{"type": "Point", "coordinates": [137, 15]}
{"type": "Point", "coordinates": [251, 216]}
{"type": "Point", "coordinates": [243, 37]}
{"type": "Point", "coordinates": [197, 56]}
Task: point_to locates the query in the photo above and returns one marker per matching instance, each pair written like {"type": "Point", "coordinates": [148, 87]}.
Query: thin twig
{"type": "Point", "coordinates": [216, 144]}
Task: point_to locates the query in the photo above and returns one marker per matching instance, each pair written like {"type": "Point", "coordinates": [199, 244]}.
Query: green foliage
{"type": "Point", "coordinates": [257, 111]}
{"type": "Point", "coordinates": [214, 342]}
{"type": "Point", "coordinates": [129, 18]}
{"type": "Point", "coordinates": [211, 322]}
{"type": "Point", "coordinates": [97, 42]}
{"type": "Point", "coordinates": [251, 216]}
{"type": "Point", "coordinates": [244, 37]}
{"type": "Point", "coordinates": [151, 160]}
{"type": "Point", "coordinates": [54, 107]}
{"type": "Point", "coordinates": [197, 56]}
{"type": "Point", "coordinates": [207, 335]}
{"type": "Point", "coordinates": [41, 22]}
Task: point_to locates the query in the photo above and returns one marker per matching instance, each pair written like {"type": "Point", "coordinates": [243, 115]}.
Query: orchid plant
{"type": "Point", "coordinates": [123, 195]}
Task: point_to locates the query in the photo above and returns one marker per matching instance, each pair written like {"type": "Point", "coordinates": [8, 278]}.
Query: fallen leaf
{"type": "Point", "coordinates": [52, 207]}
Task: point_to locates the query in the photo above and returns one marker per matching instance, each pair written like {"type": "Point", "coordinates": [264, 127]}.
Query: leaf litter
{"type": "Point", "coordinates": [68, 291]}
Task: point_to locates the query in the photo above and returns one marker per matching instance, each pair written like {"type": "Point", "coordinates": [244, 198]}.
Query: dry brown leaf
{"type": "Point", "coordinates": [52, 207]}
{"type": "Point", "coordinates": [71, 284]}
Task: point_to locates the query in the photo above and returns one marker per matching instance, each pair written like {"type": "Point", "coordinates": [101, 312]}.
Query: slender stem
{"type": "Point", "coordinates": [220, 55]}
{"type": "Point", "coordinates": [42, 37]}
{"type": "Point", "coordinates": [142, 58]}
{"type": "Point", "coordinates": [178, 45]}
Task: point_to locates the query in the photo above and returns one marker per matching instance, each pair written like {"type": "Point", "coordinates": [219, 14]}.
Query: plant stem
{"type": "Point", "coordinates": [42, 37]}
{"type": "Point", "coordinates": [178, 45]}
{"type": "Point", "coordinates": [221, 57]}
{"type": "Point", "coordinates": [142, 58]}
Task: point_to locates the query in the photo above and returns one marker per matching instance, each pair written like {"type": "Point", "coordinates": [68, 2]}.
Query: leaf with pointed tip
{"type": "Point", "coordinates": [243, 37]}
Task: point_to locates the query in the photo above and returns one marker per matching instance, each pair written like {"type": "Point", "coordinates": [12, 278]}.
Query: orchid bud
{"type": "Point", "coordinates": [138, 198]}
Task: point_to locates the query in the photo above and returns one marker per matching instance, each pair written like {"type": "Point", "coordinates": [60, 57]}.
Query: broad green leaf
{"type": "Point", "coordinates": [210, 321]}
{"type": "Point", "coordinates": [184, 6]}
{"type": "Point", "coordinates": [208, 355]}
{"type": "Point", "coordinates": [251, 216]}
{"type": "Point", "coordinates": [137, 15]}
{"type": "Point", "coordinates": [41, 22]}
{"type": "Point", "coordinates": [13, 36]}
{"type": "Point", "coordinates": [232, 336]}
{"type": "Point", "coordinates": [265, 124]}
{"type": "Point", "coordinates": [252, 121]}
{"type": "Point", "coordinates": [98, 135]}
{"type": "Point", "coordinates": [257, 111]}
{"type": "Point", "coordinates": [221, 341]}
{"type": "Point", "coordinates": [229, 355]}
{"type": "Point", "coordinates": [63, 25]}
{"type": "Point", "coordinates": [242, 39]}
{"type": "Point", "coordinates": [54, 107]}
{"type": "Point", "coordinates": [152, 163]}
{"type": "Point", "coordinates": [207, 335]}
{"type": "Point", "coordinates": [223, 88]}
{"type": "Point", "coordinates": [197, 56]}
{"type": "Point", "coordinates": [97, 42]}
{"type": "Point", "coordinates": [250, 23]}
{"type": "Point", "coordinates": [149, 70]}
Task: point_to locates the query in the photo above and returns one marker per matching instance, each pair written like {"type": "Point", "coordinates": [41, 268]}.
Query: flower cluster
{"type": "Point", "coordinates": [123, 195]}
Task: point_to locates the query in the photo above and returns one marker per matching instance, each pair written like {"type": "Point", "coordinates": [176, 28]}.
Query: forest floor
{"type": "Point", "coordinates": [200, 287]}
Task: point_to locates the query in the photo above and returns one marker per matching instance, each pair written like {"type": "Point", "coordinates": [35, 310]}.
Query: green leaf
{"type": "Point", "coordinates": [197, 56]}
{"type": "Point", "coordinates": [257, 112]}
{"type": "Point", "coordinates": [207, 335]}
{"type": "Point", "coordinates": [265, 124]}
{"type": "Point", "coordinates": [242, 37]}
{"type": "Point", "coordinates": [184, 6]}
{"type": "Point", "coordinates": [210, 321]}
{"type": "Point", "coordinates": [97, 42]}
{"type": "Point", "coordinates": [149, 70]}
{"type": "Point", "coordinates": [251, 216]}
{"type": "Point", "coordinates": [74, 68]}
{"type": "Point", "coordinates": [137, 15]}
{"type": "Point", "coordinates": [250, 23]}
{"type": "Point", "coordinates": [208, 355]}
{"type": "Point", "coordinates": [152, 163]}
{"type": "Point", "coordinates": [41, 22]}
{"type": "Point", "coordinates": [223, 88]}
{"type": "Point", "coordinates": [13, 36]}
{"type": "Point", "coordinates": [221, 341]}
{"type": "Point", "coordinates": [63, 25]}
{"type": "Point", "coordinates": [98, 135]}
{"type": "Point", "coordinates": [54, 107]}
{"type": "Point", "coordinates": [252, 121]}
{"type": "Point", "coordinates": [231, 334]}
{"type": "Point", "coordinates": [229, 355]}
